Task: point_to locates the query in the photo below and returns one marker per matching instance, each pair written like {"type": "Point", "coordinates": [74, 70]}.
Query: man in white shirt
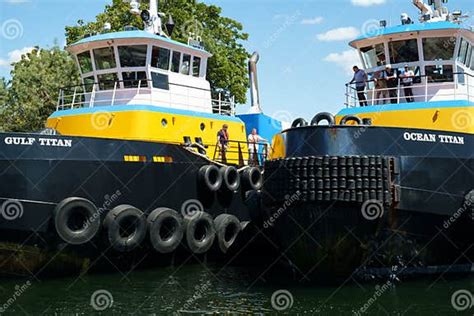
{"type": "Point", "coordinates": [253, 141]}
{"type": "Point", "coordinates": [407, 81]}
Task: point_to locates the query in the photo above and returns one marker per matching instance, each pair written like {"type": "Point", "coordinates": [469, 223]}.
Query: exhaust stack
{"type": "Point", "coordinates": [254, 92]}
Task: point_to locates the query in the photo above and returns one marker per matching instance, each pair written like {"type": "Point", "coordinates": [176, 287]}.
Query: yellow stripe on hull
{"type": "Point", "coordinates": [151, 126]}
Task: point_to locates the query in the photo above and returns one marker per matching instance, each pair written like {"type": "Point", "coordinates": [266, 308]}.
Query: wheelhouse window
{"type": "Point", "coordinates": [134, 79]}
{"type": "Point", "coordinates": [85, 62]}
{"type": "Point", "coordinates": [175, 61]}
{"type": "Point", "coordinates": [89, 83]}
{"type": "Point", "coordinates": [463, 51]}
{"type": "Point", "coordinates": [160, 81]}
{"type": "Point", "coordinates": [469, 56]}
{"type": "Point", "coordinates": [374, 55]}
{"type": "Point", "coordinates": [439, 73]}
{"type": "Point", "coordinates": [196, 66]}
{"type": "Point", "coordinates": [132, 56]}
{"type": "Point", "coordinates": [404, 51]}
{"type": "Point", "coordinates": [104, 58]}
{"type": "Point", "coordinates": [186, 66]}
{"type": "Point", "coordinates": [160, 58]}
{"type": "Point", "coordinates": [107, 81]}
{"type": "Point", "coordinates": [439, 48]}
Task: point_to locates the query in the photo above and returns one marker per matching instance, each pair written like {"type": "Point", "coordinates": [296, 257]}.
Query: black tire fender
{"type": "Point", "coordinates": [165, 219]}
{"type": "Point", "coordinates": [299, 122]}
{"type": "Point", "coordinates": [231, 178]}
{"type": "Point", "coordinates": [125, 217]}
{"type": "Point", "coordinates": [227, 229]}
{"type": "Point", "coordinates": [351, 118]}
{"type": "Point", "coordinates": [323, 116]}
{"type": "Point", "coordinates": [210, 177]}
{"type": "Point", "coordinates": [200, 232]}
{"type": "Point", "coordinates": [79, 230]}
{"type": "Point", "coordinates": [252, 178]}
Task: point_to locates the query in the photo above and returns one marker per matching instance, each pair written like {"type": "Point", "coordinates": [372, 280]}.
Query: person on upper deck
{"type": "Point", "coordinates": [223, 141]}
{"type": "Point", "coordinates": [381, 93]}
{"type": "Point", "coordinates": [360, 78]}
{"type": "Point", "coordinates": [392, 82]}
{"type": "Point", "coordinates": [253, 142]}
{"type": "Point", "coordinates": [407, 81]}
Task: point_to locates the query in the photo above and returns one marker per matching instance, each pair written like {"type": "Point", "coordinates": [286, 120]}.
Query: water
{"type": "Point", "coordinates": [211, 290]}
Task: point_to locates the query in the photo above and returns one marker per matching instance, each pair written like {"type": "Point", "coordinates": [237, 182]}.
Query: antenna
{"type": "Point", "coordinates": [433, 11]}
{"type": "Point", "coordinates": [151, 18]}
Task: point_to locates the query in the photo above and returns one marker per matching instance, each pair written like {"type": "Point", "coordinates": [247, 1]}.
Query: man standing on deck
{"type": "Point", "coordinates": [223, 141]}
{"type": "Point", "coordinates": [392, 83]}
{"type": "Point", "coordinates": [360, 78]}
{"type": "Point", "coordinates": [253, 140]}
{"type": "Point", "coordinates": [407, 80]}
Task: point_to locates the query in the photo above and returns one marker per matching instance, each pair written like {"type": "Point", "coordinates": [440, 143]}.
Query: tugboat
{"type": "Point", "coordinates": [389, 183]}
{"type": "Point", "coordinates": [130, 162]}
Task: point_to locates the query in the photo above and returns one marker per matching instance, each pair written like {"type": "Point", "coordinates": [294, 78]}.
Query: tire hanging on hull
{"type": "Point", "coordinates": [228, 228]}
{"type": "Point", "coordinates": [126, 227]}
{"type": "Point", "coordinates": [166, 230]}
{"type": "Point", "coordinates": [200, 232]}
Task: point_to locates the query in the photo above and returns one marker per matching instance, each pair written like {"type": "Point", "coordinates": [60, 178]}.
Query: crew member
{"type": "Point", "coordinates": [223, 141]}
{"type": "Point", "coordinates": [253, 141]}
{"type": "Point", "coordinates": [392, 83]}
{"type": "Point", "coordinates": [360, 78]}
{"type": "Point", "coordinates": [407, 80]}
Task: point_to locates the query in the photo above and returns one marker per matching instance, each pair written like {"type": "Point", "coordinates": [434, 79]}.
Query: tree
{"type": "Point", "coordinates": [227, 69]}
{"type": "Point", "coordinates": [34, 88]}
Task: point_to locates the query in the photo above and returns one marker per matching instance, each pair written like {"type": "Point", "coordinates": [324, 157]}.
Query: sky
{"type": "Point", "coordinates": [305, 59]}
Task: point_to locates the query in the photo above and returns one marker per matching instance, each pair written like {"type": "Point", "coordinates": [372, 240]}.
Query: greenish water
{"type": "Point", "coordinates": [210, 290]}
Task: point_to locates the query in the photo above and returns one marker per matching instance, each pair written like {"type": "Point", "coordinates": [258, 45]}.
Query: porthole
{"type": "Point", "coordinates": [164, 122]}
{"type": "Point", "coordinates": [202, 126]}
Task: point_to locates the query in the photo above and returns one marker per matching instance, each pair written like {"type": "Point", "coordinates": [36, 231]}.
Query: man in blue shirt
{"type": "Point", "coordinates": [360, 78]}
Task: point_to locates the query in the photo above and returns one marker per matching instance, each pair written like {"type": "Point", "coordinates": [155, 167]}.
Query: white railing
{"type": "Point", "coordinates": [96, 94]}
{"type": "Point", "coordinates": [461, 88]}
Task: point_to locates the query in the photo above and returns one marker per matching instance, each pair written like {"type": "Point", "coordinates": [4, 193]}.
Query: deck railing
{"type": "Point", "coordinates": [424, 89]}
{"type": "Point", "coordinates": [252, 154]}
{"type": "Point", "coordinates": [137, 92]}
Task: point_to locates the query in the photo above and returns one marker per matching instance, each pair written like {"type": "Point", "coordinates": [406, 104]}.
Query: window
{"type": "Point", "coordinates": [104, 58]}
{"type": "Point", "coordinates": [439, 48]}
{"type": "Point", "coordinates": [468, 56]}
{"type": "Point", "coordinates": [374, 55]}
{"type": "Point", "coordinates": [160, 81]}
{"type": "Point", "coordinates": [160, 58]}
{"type": "Point", "coordinates": [472, 58]}
{"type": "Point", "coordinates": [85, 62]}
{"type": "Point", "coordinates": [89, 83]}
{"type": "Point", "coordinates": [439, 73]}
{"type": "Point", "coordinates": [463, 51]}
{"type": "Point", "coordinates": [175, 61]}
{"type": "Point", "coordinates": [107, 81]}
{"type": "Point", "coordinates": [186, 66]}
{"type": "Point", "coordinates": [196, 66]}
{"type": "Point", "coordinates": [132, 56]}
{"type": "Point", "coordinates": [133, 79]}
{"type": "Point", "coordinates": [404, 51]}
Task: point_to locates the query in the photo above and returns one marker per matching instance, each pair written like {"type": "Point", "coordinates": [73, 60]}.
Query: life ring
{"type": "Point", "coordinates": [76, 220]}
{"type": "Point", "coordinates": [200, 232]}
{"type": "Point", "coordinates": [210, 177]}
{"type": "Point", "coordinates": [230, 177]}
{"type": "Point", "coordinates": [166, 229]}
{"type": "Point", "coordinates": [352, 118]}
{"type": "Point", "coordinates": [126, 227]}
{"type": "Point", "coordinates": [252, 178]}
{"type": "Point", "coordinates": [227, 229]}
{"type": "Point", "coordinates": [323, 116]}
{"type": "Point", "coordinates": [299, 122]}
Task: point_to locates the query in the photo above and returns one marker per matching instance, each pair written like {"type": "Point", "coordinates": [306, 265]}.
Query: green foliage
{"type": "Point", "coordinates": [227, 69]}
{"type": "Point", "coordinates": [33, 92]}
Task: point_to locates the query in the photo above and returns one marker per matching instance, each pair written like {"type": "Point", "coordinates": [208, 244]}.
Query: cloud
{"type": "Point", "coordinates": [313, 21]}
{"type": "Point", "coordinates": [339, 34]}
{"type": "Point", "coordinates": [14, 56]}
{"type": "Point", "coordinates": [367, 3]}
{"type": "Point", "coordinates": [345, 60]}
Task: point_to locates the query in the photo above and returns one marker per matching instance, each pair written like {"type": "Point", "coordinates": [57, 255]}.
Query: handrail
{"type": "Point", "coordinates": [256, 157]}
